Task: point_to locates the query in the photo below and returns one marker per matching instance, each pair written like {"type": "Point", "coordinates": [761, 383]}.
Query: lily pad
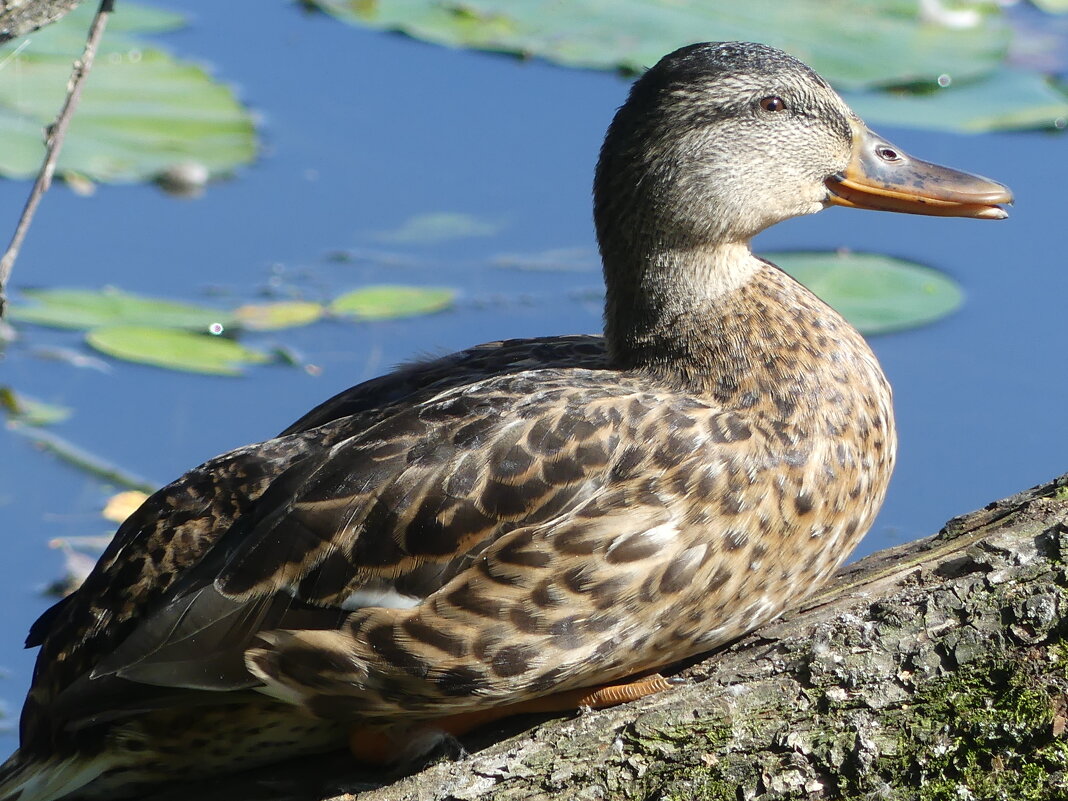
{"type": "Point", "coordinates": [87, 308]}
{"type": "Point", "coordinates": [1052, 6]}
{"type": "Point", "coordinates": [274, 316]}
{"type": "Point", "coordinates": [142, 110]}
{"type": "Point", "coordinates": [1006, 100]}
{"type": "Point", "coordinates": [853, 43]}
{"type": "Point", "coordinates": [877, 294]}
{"type": "Point", "coordinates": [862, 46]}
{"type": "Point", "coordinates": [386, 302]}
{"type": "Point", "coordinates": [174, 349]}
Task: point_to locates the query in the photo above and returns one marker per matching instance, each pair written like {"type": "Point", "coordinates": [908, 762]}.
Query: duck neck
{"type": "Point", "coordinates": [657, 304]}
{"type": "Point", "coordinates": [731, 327]}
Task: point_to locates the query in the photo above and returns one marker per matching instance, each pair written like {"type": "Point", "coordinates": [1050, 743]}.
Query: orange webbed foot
{"type": "Point", "coordinates": [376, 745]}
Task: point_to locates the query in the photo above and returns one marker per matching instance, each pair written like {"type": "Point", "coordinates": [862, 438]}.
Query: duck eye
{"type": "Point", "coordinates": [887, 153]}
{"type": "Point", "coordinates": [772, 103]}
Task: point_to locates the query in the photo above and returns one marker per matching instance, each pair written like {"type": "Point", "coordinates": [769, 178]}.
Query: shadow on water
{"type": "Point", "coordinates": [364, 131]}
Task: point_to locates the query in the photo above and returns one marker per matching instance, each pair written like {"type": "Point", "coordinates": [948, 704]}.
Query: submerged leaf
{"type": "Point", "coordinates": [424, 229]}
{"type": "Point", "coordinates": [876, 293]}
{"type": "Point", "coordinates": [387, 302]}
{"type": "Point", "coordinates": [30, 411]}
{"type": "Point", "coordinates": [91, 308]}
{"type": "Point", "coordinates": [173, 349]}
{"type": "Point", "coordinates": [142, 111]}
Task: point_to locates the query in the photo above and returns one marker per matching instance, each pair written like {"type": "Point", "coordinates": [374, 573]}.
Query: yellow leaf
{"type": "Point", "coordinates": [122, 505]}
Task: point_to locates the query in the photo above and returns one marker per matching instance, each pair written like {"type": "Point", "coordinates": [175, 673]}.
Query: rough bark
{"type": "Point", "coordinates": [934, 670]}
{"type": "Point", "coordinates": [19, 17]}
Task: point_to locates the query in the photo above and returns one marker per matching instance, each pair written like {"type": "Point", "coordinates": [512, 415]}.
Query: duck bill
{"type": "Point", "coordinates": [883, 177]}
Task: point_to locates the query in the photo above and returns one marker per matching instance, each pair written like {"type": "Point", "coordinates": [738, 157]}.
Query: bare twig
{"type": "Point", "coordinates": [54, 142]}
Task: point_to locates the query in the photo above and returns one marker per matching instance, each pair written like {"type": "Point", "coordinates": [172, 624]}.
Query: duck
{"type": "Point", "coordinates": [536, 523]}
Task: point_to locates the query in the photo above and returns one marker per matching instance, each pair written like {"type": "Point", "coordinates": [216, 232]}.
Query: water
{"type": "Point", "coordinates": [362, 131]}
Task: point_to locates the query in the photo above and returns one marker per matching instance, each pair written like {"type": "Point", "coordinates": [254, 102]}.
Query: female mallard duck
{"type": "Point", "coordinates": [526, 518]}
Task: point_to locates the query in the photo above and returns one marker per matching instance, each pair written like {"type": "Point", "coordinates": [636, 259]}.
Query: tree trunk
{"type": "Point", "coordinates": [934, 670]}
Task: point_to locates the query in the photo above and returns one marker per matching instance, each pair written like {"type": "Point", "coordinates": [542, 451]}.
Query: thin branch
{"type": "Point", "coordinates": [54, 143]}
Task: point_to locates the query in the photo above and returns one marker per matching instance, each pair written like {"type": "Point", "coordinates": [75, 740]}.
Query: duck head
{"type": "Point", "coordinates": [721, 140]}
{"type": "Point", "coordinates": [717, 142]}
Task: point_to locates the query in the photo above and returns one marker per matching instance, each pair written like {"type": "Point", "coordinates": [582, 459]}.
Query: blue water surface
{"type": "Point", "coordinates": [363, 130]}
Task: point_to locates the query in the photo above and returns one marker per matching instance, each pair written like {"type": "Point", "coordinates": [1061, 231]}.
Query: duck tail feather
{"type": "Point", "coordinates": [47, 779]}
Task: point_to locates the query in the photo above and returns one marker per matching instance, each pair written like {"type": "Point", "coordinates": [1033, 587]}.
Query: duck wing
{"type": "Point", "coordinates": [179, 524]}
{"type": "Point", "coordinates": [391, 518]}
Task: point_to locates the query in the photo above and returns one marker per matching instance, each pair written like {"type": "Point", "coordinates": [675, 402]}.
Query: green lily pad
{"type": "Point", "coordinates": [142, 111]}
{"type": "Point", "coordinates": [86, 308]}
{"type": "Point", "coordinates": [386, 302]}
{"type": "Point", "coordinates": [30, 411]}
{"type": "Point", "coordinates": [424, 229]}
{"type": "Point", "coordinates": [1052, 6]}
{"type": "Point", "coordinates": [1006, 100]}
{"type": "Point", "coordinates": [273, 316]}
{"type": "Point", "coordinates": [853, 43]}
{"type": "Point", "coordinates": [174, 349]}
{"type": "Point", "coordinates": [877, 294]}
{"type": "Point", "coordinates": [862, 46]}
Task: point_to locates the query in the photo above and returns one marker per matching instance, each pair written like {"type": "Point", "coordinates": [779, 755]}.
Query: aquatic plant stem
{"type": "Point", "coordinates": [81, 459]}
{"type": "Point", "coordinates": [54, 143]}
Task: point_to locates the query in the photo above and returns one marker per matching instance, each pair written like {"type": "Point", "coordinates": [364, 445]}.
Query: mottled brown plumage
{"type": "Point", "coordinates": [525, 517]}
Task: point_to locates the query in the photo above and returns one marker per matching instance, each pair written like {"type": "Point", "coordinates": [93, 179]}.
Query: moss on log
{"type": "Point", "coordinates": [934, 670]}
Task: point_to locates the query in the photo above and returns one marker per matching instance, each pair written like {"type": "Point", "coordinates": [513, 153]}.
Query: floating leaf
{"type": "Point", "coordinates": [142, 111]}
{"type": "Point", "coordinates": [30, 411]}
{"type": "Point", "coordinates": [1052, 6]}
{"type": "Point", "coordinates": [174, 349]}
{"type": "Point", "coordinates": [857, 44]}
{"type": "Point", "coordinates": [853, 43]}
{"type": "Point", "coordinates": [91, 308]}
{"type": "Point", "coordinates": [1009, 99]}
{"type": "Point", "coordinates": [273, 316]}
{"type": "Point", "coordinates": [442, 226]}
{"type": "Point", "coordinates": [122, 505]}
{"type": "Point", "coordinates": [386, 302]}
{"type": "Point", "coordinates": [876, 293]}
